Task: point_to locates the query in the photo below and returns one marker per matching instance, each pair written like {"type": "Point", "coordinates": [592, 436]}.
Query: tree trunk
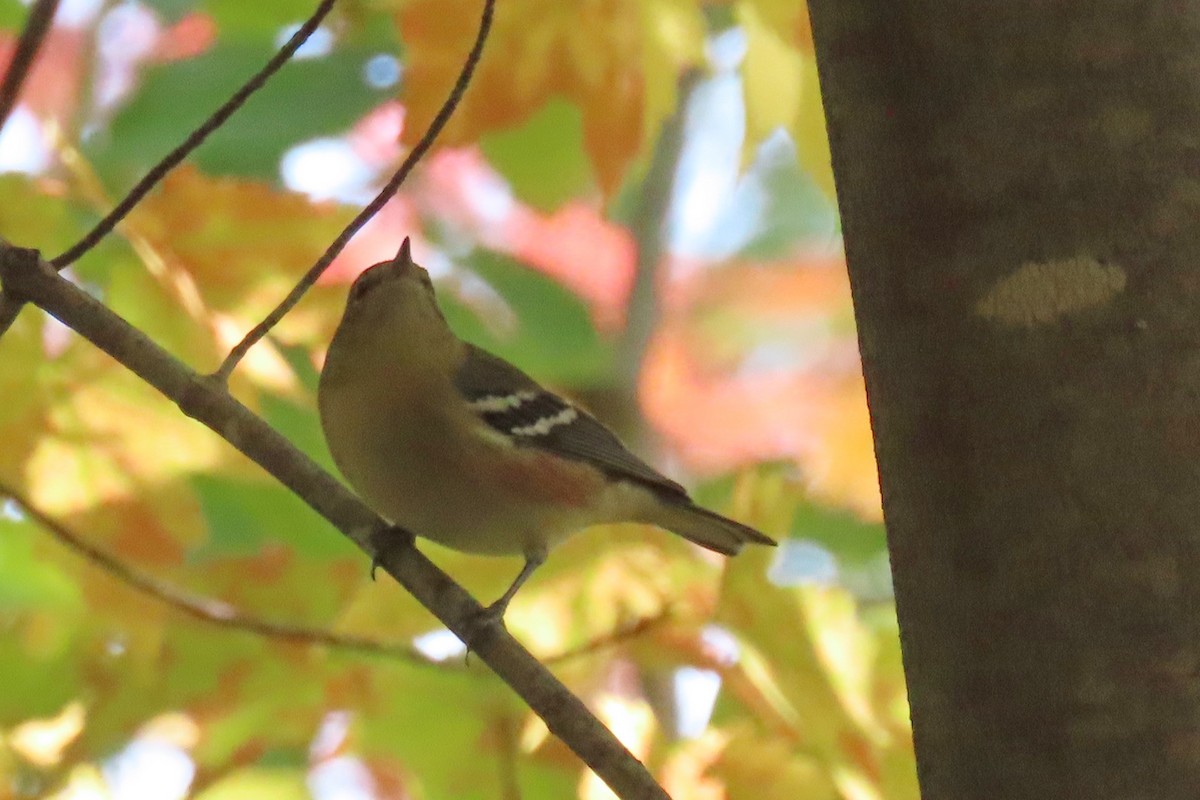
{"type": "Point", "coordinates": [1019, 184]}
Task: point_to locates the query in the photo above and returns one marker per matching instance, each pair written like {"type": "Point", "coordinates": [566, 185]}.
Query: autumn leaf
{"type": "Point", "coordinates": [811, 408]}
{"type": "Point", "coordinates": [617, 60]}
{"type": "Point", "coordinates": [225, 251]}
{"type": "Point", "coordinates": [91, 444]}
{"type": "Point", "coordinates": [779, 79]}
{"type": "Point", "coordinates": [750, 361]}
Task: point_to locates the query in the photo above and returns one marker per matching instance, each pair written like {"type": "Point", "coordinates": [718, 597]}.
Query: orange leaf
{"type": "Point", "coordinates": [814, 412]}
{"type": "Point", "coordinates": [618, 60]}
{"type": "Point", "coordinates": [226, 251]}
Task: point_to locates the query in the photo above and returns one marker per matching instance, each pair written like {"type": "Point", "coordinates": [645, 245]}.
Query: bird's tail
{"type": "Point", "coordinates": [707, 528]}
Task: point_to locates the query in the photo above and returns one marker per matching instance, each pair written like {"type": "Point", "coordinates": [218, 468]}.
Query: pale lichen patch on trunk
{"type": "Point", "coordinates": [1039, 293]}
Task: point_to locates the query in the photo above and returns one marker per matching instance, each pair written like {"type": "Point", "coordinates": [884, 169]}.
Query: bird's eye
{"type": "Point", "coordinates": [365, 282]}
{"type": "Point", "coordinates": [358, 289]}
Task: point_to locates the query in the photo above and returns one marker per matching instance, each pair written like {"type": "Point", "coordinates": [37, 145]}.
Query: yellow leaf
{"type": "Point", "coordinates": [771, 75]}
{"type": "Point", "coordinates": [618, 60]}
{"type": "Point", "coordinates": [809, 132]}
{"type": "Point", "coordinates": [780, 83]}
{"type": "Point", "coordinates": [765, 767]}
{"type": "Point", "coordinates": [229, 250]}
{"type": "Point", "coordinates": [846, 650]}
{"type": "Point", "coordinates": [109, 459]}
{"type": "Point", "coordinates": [824, 682]}
{"type": "Point", "coordinates": [674, 38]}
{"type": "Point", "coordinates": [43, 742]}
{"type": "Point", "coordinates": [787, 18]}
{"type": "Point", "coordinates": [23, 412]}
{"type": "Point", "coordinates": [91, 444]}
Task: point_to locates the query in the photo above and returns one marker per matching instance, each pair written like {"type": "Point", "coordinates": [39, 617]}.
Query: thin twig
{"type": "Point", "coordinates": [207, 609]}
{"type": "Point", "coordinates": [617, 402]}
{"type": "Point", "coordinates": [223, 615]}
{"type": "Point", "coordinates": [506, 759]}
{"type": "Point", "coordinates": [613, 638]}
{"type": "Point", "coordinates": [204, 400]}
{"type": "Point", "coordinates": [648, 225]}
{"type": "Point", "coordinates": [389, 189]}
{"type": "Point", "coordinates": [172, 159]}
{"type": "Point", "coordinates": [37, 24]}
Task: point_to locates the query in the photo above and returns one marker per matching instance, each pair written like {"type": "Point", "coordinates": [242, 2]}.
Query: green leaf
{"type": "Point", "coordinates": [860, 548]}
{"type": "Point", "coordinates": [554, 340]}
{"type": "Point", "coordinates": [29, 217]}
{"type": "Point", "coordinates": [300, 360]}
{"type": "Point", "coordinates": [795, 208]}
{"type": "Point", "coordinates": [300, 424]}
{"type": "Point", "coordinates": [358, 22]}
{"type": "Point", "coordinates": [28, 581]}
{"type": "Point", "coordinates": [12, 15]}
{"type": "Point", "coordinates": [543, 158]}
{"type": "Point", "coordinates": [841, 532]}
{"type": "Point", "coordinates": [316, 97]}
{"type": "Point", "coordinates": [277, 784]}
{"type": "Point", "coordinates": [172, 11]}
{"type": "Point", "coordinates": [142, 299]}
{"type": "Point", "coordinates": [259, 17]}
{"type": "Point", "coordinates": [36, 684]}
{"type": "Point", "coordinates": [244, 515]}
{"type": "Point", "coordinates": [431, 720]}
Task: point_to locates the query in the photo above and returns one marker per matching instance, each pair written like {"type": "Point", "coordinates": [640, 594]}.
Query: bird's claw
{"type": "Point", "coordinates": [482, 621]}
{"type": "Point", "coordinates": [490, 615]}
{"type": "Point", "coordinates": [384, 540]}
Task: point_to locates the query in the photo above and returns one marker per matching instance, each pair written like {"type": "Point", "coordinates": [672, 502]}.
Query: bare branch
{"type": "Point", "coordinates": [37, 24]}
{"type": "Point", "coordinates": [385, 194]}
{"type": "Point", "coordinates": [613, 638]}
{"type": "Point", "coordinates": [172, 159]}
{"type": "Point", "coordinates": [207, 609]}
{"type": "Point", "coordinates": [224, 615]}
{"type": "Point", "coordinates": [647, 224]}
{"type": "Point", "coordinates": [28, 276]}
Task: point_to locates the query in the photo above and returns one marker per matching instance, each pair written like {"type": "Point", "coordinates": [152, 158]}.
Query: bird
{"type": "Point", "coordinates": [452, 443]}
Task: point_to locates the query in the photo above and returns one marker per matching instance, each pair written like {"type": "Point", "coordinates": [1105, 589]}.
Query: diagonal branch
{"type": "Point", "coordinates": [37, 24]}
{"type": "Point", "coordinates": [194, 140]}
{"type": "Point", "coordinates": [27, 276]}
{"type": "Point", "coordinates": [385, 194]}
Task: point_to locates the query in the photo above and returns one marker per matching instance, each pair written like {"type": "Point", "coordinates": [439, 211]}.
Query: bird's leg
{"type": "Point", "coordinates": [495, 612]}
{"type": "Point", "coordinates": [385, 538]}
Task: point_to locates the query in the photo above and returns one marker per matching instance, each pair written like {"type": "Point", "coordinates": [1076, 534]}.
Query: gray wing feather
{"type": "Point", "coordinates": [514, 404]}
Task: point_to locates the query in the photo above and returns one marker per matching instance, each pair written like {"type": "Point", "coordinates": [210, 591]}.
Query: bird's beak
{"type": "Point", "coordinates": [403, 258]}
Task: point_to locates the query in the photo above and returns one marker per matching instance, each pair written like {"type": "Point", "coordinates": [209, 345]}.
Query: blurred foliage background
{"type": "Point", "coordinates": [634, 203]}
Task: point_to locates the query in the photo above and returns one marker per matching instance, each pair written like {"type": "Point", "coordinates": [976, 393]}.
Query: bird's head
{"type": "Point", "coordinates": [394, 301]}
{"type": "Point", "coordinates": [400, 281]}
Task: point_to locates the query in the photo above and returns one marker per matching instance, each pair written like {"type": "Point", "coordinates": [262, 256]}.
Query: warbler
{"type": "Point", "coordinates": [454, 444]}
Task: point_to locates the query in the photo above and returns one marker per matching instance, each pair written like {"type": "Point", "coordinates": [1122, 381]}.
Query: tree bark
{"type": "Point", "coordinates": [1019, 185]}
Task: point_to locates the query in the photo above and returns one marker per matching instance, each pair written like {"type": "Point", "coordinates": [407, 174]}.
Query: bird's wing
{"type": "Point", "coordinates": [511, 402]}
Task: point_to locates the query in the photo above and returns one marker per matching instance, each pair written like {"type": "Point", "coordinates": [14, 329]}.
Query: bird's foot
{"type": "Point", "coordinates": [386, 539]}
{"type": "Point", "coordinates": [489, 618]}
{"type": "Point", "coordinates": [491, 615]}
{"type": "Point", "coordinates": [482, 623]}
